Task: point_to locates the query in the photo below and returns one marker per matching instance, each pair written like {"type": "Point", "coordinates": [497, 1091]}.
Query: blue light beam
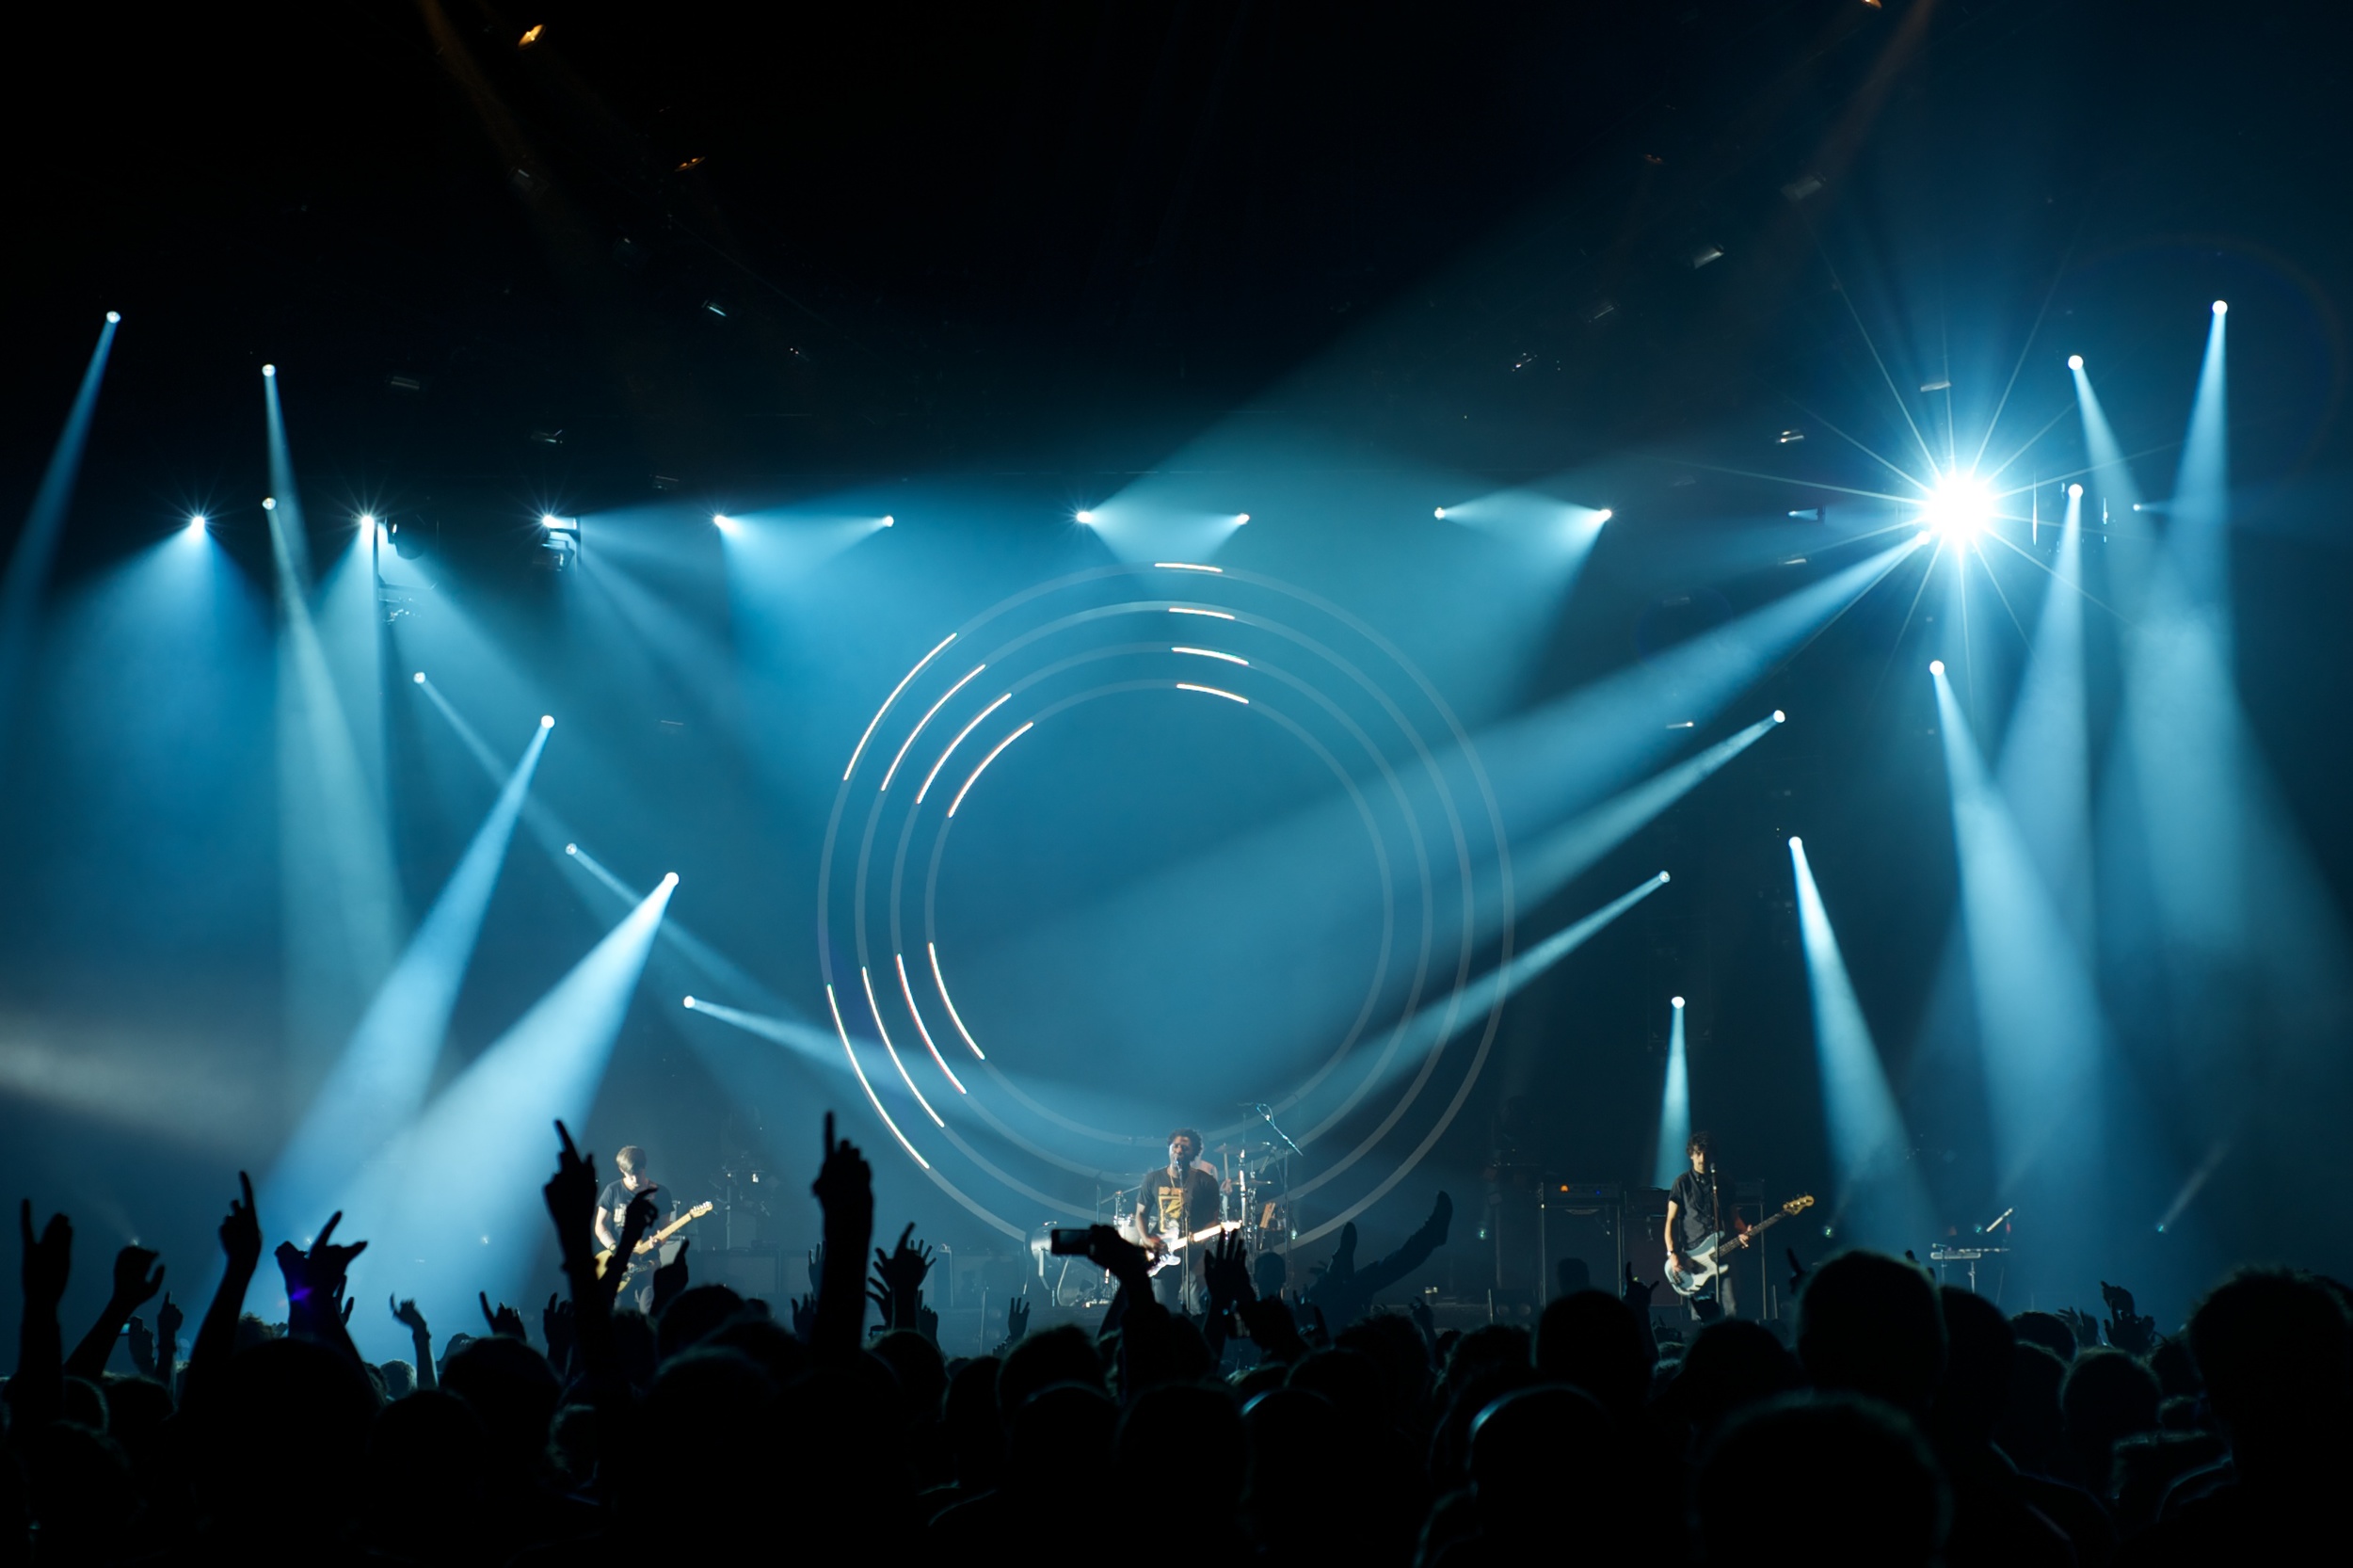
{"type": "Point", "coordinates": [1674, 1107]}
{"type": "Point", "coordinates": [37, 543]}
{"type": "Point", "coordinates": [1879, 1201]}
{"type": "Point", "coordinates": [481, 1146]}
{"type": "Point", "coordinates": [380, 1080]}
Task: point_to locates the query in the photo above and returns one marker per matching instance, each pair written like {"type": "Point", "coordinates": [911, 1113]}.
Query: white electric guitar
{"type": "Point", "coordinates": [1170, 1249]}
{"type": "Point", "coordinates": [1712, 1254]}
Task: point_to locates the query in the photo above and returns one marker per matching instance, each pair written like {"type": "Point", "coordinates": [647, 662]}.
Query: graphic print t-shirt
{"type": "Point", "coordinates": [1178, 1207]}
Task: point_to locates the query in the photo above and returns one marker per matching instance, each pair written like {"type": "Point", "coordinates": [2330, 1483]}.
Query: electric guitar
{"type": "Point", "coordinates": [653, 1242]}
{"type": "Point", "coordinates": [1711, 1256]}
{"type": "Point", "coordinates": [1167, 1250]}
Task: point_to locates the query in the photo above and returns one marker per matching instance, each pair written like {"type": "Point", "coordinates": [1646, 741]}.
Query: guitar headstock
{"type": "Point", "coordinates": [1799, 1205]}
{"type": "Point", "coordinates": [707, 1206]}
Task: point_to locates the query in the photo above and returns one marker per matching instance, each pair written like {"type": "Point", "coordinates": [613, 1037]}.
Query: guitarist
{"type": "Point", "coordinates": [1695, 1210]}
{"type": "Point", "coordinates": [612, 1206]}
{"type": "Point", "coordinates": [1177, 1200]}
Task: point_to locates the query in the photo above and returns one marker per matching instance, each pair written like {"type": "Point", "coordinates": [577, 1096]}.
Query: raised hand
{"type": "Point", "coordinates": [1120, 1258]}
{"type": "Point", "coordinates": [133, 1285]}
{"type": "Point", "coordinates": [556, 1326]}
{"type": "Point", "coordinates": [506, 1322]}
{"type": "Point", "coordinates": [1017, 1317]}
{"type": "Point", "coordinates": [1227, 1271]}
{"type": "Point", "coordinates": [168, 1320]}
{"type": "Point", "coordinates": [329, 1262]}
{"type": "Point", "coordinates": [241, 1232]}
{"type": "Point", "coordinates": [844, 1180]}
{"type": "Point", "coordinates": [1636, 1292]}
{"type": "Point", "coordinates": [408, 1317]}
{"type": "Point", "coordinates": [571, 1199]}
{"type": "Point", "coordinates": [669, 1280]}
{"type": "Point", "coordinates": [927, 1323]}
{"type": "Point", "coordinates": [48, 1260]}
{"type": "Point", "coordinates": [904, 1267]}
{"type": "Point", "coordinates": [802, 1311]}
{"type": "Point", "coordinates": [1426, 1321]}
{"type": "Point", "coordinates": [2127, 1330]}
{"type": "Point", "coordinates": [816, 1268]}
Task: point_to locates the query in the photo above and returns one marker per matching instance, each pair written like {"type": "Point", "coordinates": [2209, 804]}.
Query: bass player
{"type": "Point", "coordinates": [1695, 1207]}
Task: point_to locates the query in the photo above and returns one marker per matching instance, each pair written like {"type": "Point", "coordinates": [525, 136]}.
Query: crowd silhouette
{"type": "Point", "coordinates": [1901, 1423]}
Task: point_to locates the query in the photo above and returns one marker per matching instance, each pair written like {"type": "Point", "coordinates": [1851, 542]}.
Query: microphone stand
{"type": "Point", "coordinates": [1266, 1113]}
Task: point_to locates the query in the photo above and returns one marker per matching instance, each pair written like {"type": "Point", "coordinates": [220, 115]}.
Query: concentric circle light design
{"type": "Point", "coordinates": [1369, 1099]}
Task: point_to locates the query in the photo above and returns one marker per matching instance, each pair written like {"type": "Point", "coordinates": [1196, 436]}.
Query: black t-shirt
{"type": "Point", "coordinates": [614, 1200]}
{"type": "Point", "coordinates": [1180, 1206]}
{"type": "Point", "coordinates": [1693, 1196]}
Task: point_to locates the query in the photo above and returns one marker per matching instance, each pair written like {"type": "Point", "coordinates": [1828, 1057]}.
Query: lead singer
{"type": "Point", "coordinates": [1173, 1202]}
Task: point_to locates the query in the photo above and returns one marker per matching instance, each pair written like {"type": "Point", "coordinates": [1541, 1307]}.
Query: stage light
{"type": "Point", "coordinates": [1796, 842]}
{"type": "Point", "coordinates": [720, 521]}
{"type": "Point", "coordinates": [2221, 307]}
{"type": "Point", "coordinates": [1241, 517]}
{"type": "Point", "coordinates": [1213, 690]}
{"type": "Point", "coordinates": [890, 521]}
{"type": "Point", "coordinates": [1605, 513]}
{"type": "Point", "coordinates": [113, 316]}
{"type": "Point", "coordinates": [1185, 566]}
{"type": "Point", "coordinates": [1675, 1003]}
{"type": "Point", "coordinates": [1211, 653]}
{"type": "Point", "coordinates": [547, 520]}
{"type": "Point", "coordinates": [1958, 507]}
{"type": "Point", "coordinates": [1086, 517]}
{"type": "Point", "coordinates": [1185, 610]}
{"type": "Point", "coordinates": [1780, 717]}
{"type": "Point", "coordinates": [2075, 492]}
{"type": "Point", "coordinates": [269, 504]}
{"type": "Point", "coordinates": [1440, 513]}
{"type": "Point", "coordinates": [2075, 362]}
{"type": "Point", "coordinates": [1936, 666]}
{"type": "Point", "coordinates": [547, 721]}
{"type": "Point", "coordinates": [269, 370]}
{"type": "Point", "coordinates": [195, 523]}
{"type": "Point", "coordinates": [418, 678]}
{"type": "Point", "coordinates": [572, 849]}
{"type": "Point", "coordinates": [690, 1002]}
{"type": "Point", "coordinates": [1664, 879]}
{"type": "Point", "coordinates": [669, 879]}
{"type": "Point", "coordinates": [531, 34]}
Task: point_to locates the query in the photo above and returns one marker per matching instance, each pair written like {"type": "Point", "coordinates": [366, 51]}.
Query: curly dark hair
{"type": "Point", "coordinates": [1699, 1142]}
{"type": "Point", "coordinates": [1188, 1132]}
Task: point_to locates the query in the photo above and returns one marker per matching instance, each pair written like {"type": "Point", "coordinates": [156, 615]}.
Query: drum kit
{"type": "Point", "coordinates": [1253, 1182]}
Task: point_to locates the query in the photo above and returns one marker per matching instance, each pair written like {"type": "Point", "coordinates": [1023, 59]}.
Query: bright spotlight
{"type": "Point", "coordinates": [1241, 517]}
{"type": "Point", "coordinates": [195, 523]}
{"type": "Point", "coordinates": [690, 1002]}
{"type": "Point", "coordinates": [1086, 517]}
{"type": "Point", "coordinates": [1440, 513]}
{"type": "Point", "coordinates": [669, 879]}
{"type": "Point", "coordinates": [1780, 717]}
{"type": "Point", "coordinates": [890, 521]}
{"type": "Point", "coordinates": [547, 721]}
{"type": "Point", "coordinates": [1936, 666]}
{"type": "Point", "coordinates": [2221, 307]}
{"type": "Point", "coordinates": [418, 678]}
{"type": "Point", "coordinates": [269, 370]}
{"type": "Point", "coordinates": [2075, 362]}
{"type": "Point", "coordinates": [718, 519]}
{"type": "Point", "coordinates": [1959, 506]}
{"type": "Point", "coordinates": [113, 316]}
{"type": "Point", "coordinates": [1664, 877]}
{"type": "Point", "coordinates": [367, 520]}
{"type": "Point", "coordinates": [548, 520]}
{"type": "Point", "coordinates": [1796, 842]}
{"type": "Point", "coordinates": [2075, 492]}
{"type": "Point", "coordinates": [1675, 1003]}
{"type": "Point", "coordinates": [1605, 515]}
{"type": "Point", "coordinates": [572, 849]}
{"type": "Point", "coordinates": [269, 504]}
